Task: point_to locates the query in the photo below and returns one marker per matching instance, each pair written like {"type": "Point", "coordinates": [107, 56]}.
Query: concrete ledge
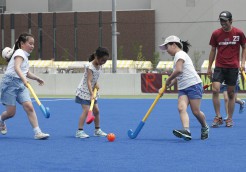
{"type": "Point", "coordinates": [110, 84]}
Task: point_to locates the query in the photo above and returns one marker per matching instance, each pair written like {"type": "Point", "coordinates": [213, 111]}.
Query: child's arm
{"type": "Point", "coordinates": [97, 86]}
{"type": "Point", "coordinates": [173, 82]}
{"type": "Point", "coordinates": [89, 79]}
{"type": "Point", "coordinates": [30, 75]}
{"type": "Point", "coordinates": [178, 70]}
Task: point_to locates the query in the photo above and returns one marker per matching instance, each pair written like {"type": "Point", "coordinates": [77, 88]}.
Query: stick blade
{"type": "Point", "coordinates": [132, 134]}
{"type": "Point", "coordinates": [90, 117]}
{"type": "Point", "coordinates": [46, 111]}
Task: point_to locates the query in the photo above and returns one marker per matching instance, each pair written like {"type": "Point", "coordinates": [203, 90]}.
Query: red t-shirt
{"type": "Point", "coordinates": [228, 47]}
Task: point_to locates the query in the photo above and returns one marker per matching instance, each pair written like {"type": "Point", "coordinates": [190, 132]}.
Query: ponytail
{"type": "Point", "coordinates": [186, 46]}
{"type": "Point", "coordinates": [92, 57]}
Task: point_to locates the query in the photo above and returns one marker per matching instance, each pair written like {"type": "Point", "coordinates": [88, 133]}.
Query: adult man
{"type": "Point", "coordinates": [226, 41]}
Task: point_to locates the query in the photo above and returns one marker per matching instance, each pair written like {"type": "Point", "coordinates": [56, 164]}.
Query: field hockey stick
{"type": "Point", "coordinates": [90, 116]}
{"type": "Point", "coordinates": [206, 86]}
{"type": "Point", "coordinates": [45, 110]}
{"type": "Point", "coordinates": [134, 134]}
{"type": "Point", "coordinates": [243, 73]}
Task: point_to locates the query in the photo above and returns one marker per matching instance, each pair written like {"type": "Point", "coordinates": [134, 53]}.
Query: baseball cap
{"type": "Point", "coordinates": [169, 39]}
{"type": "Point", "coordinates": [225, 15]}
{"type": "Point", "coordinates": [7, 53]}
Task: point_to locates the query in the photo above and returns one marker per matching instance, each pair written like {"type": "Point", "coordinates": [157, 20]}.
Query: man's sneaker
{"type": "Point", "coordinates": [229, 122]}
{"type": "Point", "coordinates": [242, 106]}
{"type": "Point", "coordinates": [99, 132]}
{"type": "Point", "coordinates": [204, 132]}
{"type": "Point", "coordinates": [81, 134]}
{"type": "Point", "coordinates": [3, 128]}
{"type": "Point", "coordinates": [225, 118]}
{"type": "Point", "coordinates": [217, 121]}
{"type": "Point", "coordinates": [41, 136]}
{"type": "Point", "coordinates": [182, 134]}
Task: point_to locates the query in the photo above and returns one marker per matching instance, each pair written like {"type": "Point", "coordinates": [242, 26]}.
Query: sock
{"type": "Point", "coordinates": [36, 130]}
{"type": "Point", "coordinates": [97, 128]}
{"type": "Point", "coordinates": [2, 121]}
{"type": "Point", "coordinates": [187, 129]}
{"type": "Point", "coordinates": [80, 129]}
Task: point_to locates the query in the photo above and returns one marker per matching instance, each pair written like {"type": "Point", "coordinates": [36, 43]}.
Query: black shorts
{"type": "Point", "coordinates": [227, 75]}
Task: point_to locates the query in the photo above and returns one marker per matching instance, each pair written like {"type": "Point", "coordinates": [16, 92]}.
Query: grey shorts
{"type": "Point", "coordinates": [12, 90]}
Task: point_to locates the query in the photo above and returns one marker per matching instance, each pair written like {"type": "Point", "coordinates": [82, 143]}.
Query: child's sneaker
{"type": "Point", "coordinates": [182, 134]}
{"type": "Point", "coordinates": [229, 122]}
{"type": "Point", "coordinates": [242, 106]}
{"type": "Point", "coordinates": [3, 128]}
{"type": "Point", "coordinates": [81, 134]}
{"type": "Point", "coordinates": [41, 136]}
{"type": "Point", "coordinates": [99, 132]}
{"type": "Point", "coordinates": [204, 132]}
{"type": "Point", "coordinates": [217, 121]}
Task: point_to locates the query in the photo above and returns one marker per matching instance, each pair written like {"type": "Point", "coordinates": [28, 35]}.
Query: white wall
{"type": "Point", "coordinates": [195, 24]}
{"type": "Point", "coordinates": [33, 6]}
{"type": "Point", "coordinates": [106, 5]}
{"type": "Point", "coordinates": [26, 6]}
{"type": "Point", "coordinates": [66, 84]}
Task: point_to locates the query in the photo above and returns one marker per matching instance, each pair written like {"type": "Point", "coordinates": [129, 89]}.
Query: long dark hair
{"type": "Point", "coordinates": [185, 46]}
{"type": "Point", "coordinates": [100, 53]}
{"type": "Point", "coordinates": [22, 38]}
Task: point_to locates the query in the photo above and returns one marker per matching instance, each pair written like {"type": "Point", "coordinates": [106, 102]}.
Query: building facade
{"type": "Point", "coordinates": [192, 20]}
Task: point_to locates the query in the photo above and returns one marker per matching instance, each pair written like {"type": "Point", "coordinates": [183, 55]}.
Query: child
{"type": "Point", "coordinates": [223, 89]}
{"type": "Point", "coordinates": [84, 92]}
{"type": "Point", "coordinates": [189, 86]}
{"type": "Point", "coordinates": [13, 85]}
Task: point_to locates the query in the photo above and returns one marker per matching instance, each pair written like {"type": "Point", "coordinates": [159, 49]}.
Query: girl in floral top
{"type": "Point", "coordinates": [84, 92]}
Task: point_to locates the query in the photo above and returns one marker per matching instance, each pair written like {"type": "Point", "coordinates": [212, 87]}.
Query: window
{"type": "Point", "coordinates": [2, 6]}
{"type": "Point", "coordinates": [60, 5]}
{"type": "Point", "coordinates": [190, 3]}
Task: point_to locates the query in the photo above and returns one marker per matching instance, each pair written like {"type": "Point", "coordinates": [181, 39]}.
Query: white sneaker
{"type": "Point", "coordinates": [226, 118]}
{"type": "Point", "coordinates": [41, 136]}
{"type": "Point", "coordinates": [81, 134]}
{"type": "Point", "coordinates": [3, 128]}
{"type": "Point", "coordinates": [100, 133]}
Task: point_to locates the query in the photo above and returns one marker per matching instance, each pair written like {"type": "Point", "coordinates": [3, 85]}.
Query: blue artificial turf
{"type": "Point", "coordinates": [154, 149]}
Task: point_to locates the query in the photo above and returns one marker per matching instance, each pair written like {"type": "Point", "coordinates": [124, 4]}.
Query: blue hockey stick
{"type": "Point", "coordinates": [132, 134]}
{"type": "Point", "coordinates": [45, 110]}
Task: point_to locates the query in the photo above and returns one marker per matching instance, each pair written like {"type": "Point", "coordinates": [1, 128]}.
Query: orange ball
{"type": "Point", "coordinates": [111, 137]}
